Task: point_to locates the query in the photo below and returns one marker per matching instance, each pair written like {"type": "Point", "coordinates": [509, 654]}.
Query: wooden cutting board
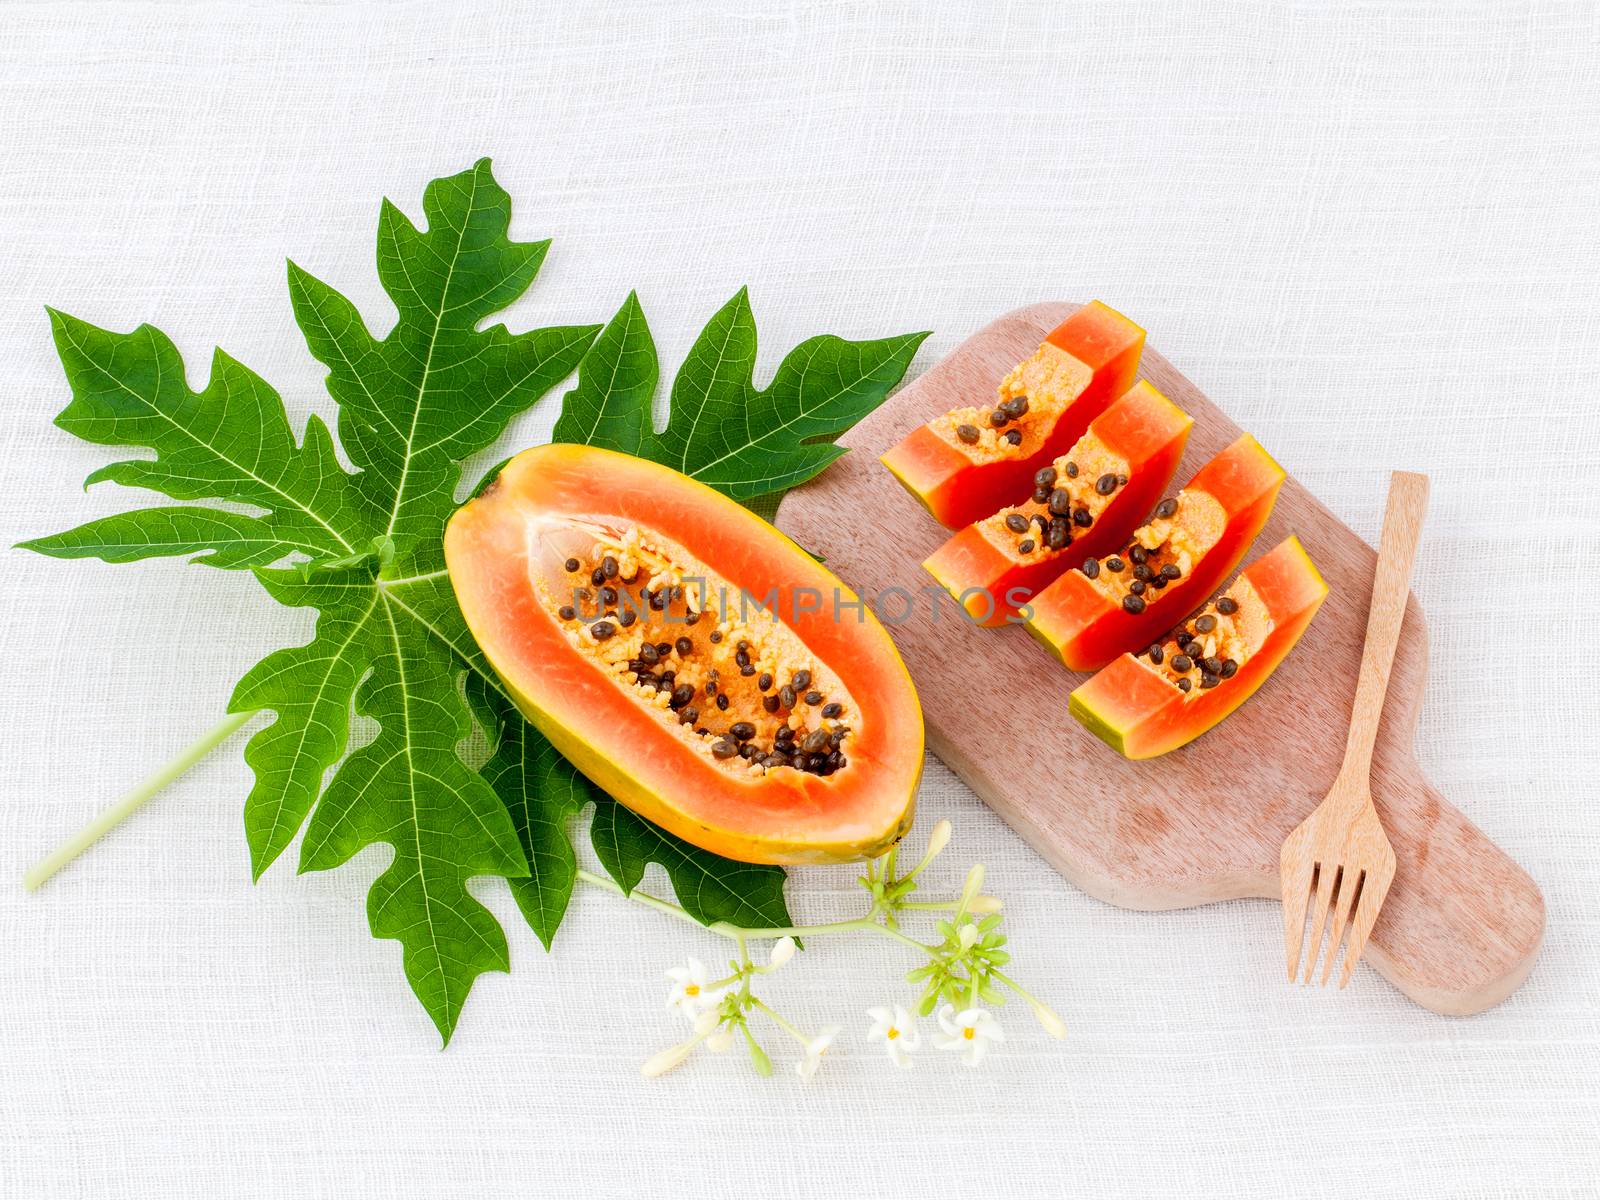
{"type": "Point", "coordinates": [1463, 922]}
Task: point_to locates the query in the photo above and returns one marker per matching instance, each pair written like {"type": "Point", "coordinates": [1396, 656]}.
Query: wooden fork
{"type": "Point", "coordinates": [1338, 863]}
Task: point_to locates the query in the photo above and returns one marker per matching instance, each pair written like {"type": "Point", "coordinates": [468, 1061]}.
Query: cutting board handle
{"type": "Point", "coordinates": [1462, 923]}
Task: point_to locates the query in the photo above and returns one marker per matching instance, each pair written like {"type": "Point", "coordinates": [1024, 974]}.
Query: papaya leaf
{"type": "Point", "coordinates": [722, 429]}
{"type": "Point", "coordinates": [364, 548]}
{"type": "Point", "coordinates": [432, 390]}
{"type": "Point", "coordinates": [214, 536]}
{"type": "Point", "coordinates": [610, 406]}
{"type": "Point", "coordinates": [709, 888]}
{"type": "Point", "coordinates": [230, 442]}
{"type": "Point", "coordinates": [542, 793]}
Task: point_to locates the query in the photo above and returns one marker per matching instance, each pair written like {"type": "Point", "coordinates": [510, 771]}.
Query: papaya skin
{"type": "Point", "coordinates": [1141, 715]}
{"type": "Point", "coordinates": [1143, 429]}
{"type": "Point", "coordinates": [660, 810]}
{"type": "Point", "coordinates": [785, 816]}
{"type": "Point", "coordinates": [1076, 623]}
{"type": "Point", "coordinates": [957, 490]}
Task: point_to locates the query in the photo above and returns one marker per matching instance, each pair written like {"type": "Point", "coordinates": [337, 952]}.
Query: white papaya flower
{"type": "Point", "coordinates": [815, 1048]}
{"type": "Point", "coordinates": [968, 1032]}
{"type": "Point", "coordinates": [691, 992]}
{"type": "Point", "coordinates": [897, 1030]}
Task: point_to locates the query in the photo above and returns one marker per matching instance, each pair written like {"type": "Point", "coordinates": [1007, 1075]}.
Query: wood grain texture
{"type": "Point", "coordinates": [1462, 923]}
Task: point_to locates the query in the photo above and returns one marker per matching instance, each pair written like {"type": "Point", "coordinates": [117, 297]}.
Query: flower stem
{"type": "Point", "coordinates": [110, 818]}
{"type": "Point", "coordinates": [739, 934]}
{"type": "Point", "coordinates": [783, 1023]}
{"type": "Point", "coordinates": [644, 898]}
{"type": "Point", "coordinates": [905, 939]}
{"type": "Point", "coordinates": [796, 931]}
{"type": "Point", "coordinates": [1015, 987]}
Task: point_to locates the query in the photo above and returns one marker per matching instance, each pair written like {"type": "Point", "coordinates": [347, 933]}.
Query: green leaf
{"type": "Point", "coordinates": [610, 407]}
{"type": "Point", "coordinates": [542, 793]}
{"type": "Point", "coordinates": [230, 442]}
{"type": "Point", "coordinates": [722, 430]}
{"type": "Point", "coordinates": [409, 788]}
{"type": "Point", "coordinates": [709, 888]}
{"type": "Point", "coordinates": [435, 389]}
{"type": "Point", "coordinates": [389, 639]}
{"type": "Point", "coordinates": [364, 548]}
{"type": "Point", "coordinates": [216, 537]}
{"type": "Point", "coordinates": [310, 688]}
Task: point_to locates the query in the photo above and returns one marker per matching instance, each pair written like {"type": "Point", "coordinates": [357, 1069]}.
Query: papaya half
{"type": "Point", "coordinates": [1164, 697]}
{"type": "Point", "coordinates": [968, 462]}
{"type": "Point", "coordinates": [1121, 602]}
{"type": "Point", "coordinates": [1085, 503]}
{"type": "Point", "coordinates": [688, 658]}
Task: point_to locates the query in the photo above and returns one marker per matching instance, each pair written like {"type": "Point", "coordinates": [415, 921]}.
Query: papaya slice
{"type": "Point", "coordinates": [688, 658]}
{"type": "Point", "coordinates": [968, 462]}
{"type": "Point", "coordinates": [1120, 602]}
{"type": "Point", "coordinates": [1164, 697]}
{"type": "Point", "coordinates": [1085, 503]}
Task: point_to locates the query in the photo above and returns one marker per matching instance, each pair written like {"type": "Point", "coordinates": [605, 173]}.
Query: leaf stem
{"type": "Point", "coordinates": [111, 817]}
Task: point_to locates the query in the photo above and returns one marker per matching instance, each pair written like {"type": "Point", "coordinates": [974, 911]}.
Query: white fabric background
{"type": "Point", "coordinates": [1367, 230]}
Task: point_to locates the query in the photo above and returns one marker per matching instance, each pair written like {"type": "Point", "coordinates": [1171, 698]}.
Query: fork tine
{"type": "Point", "coordinates": [1296, 895]}
{"type": "Point", "coordinates": [1344, 905]}
{"type": "Point", "coordinates": [1366, 916]}
{"type": "Point", "coordinates": [1327, 887]}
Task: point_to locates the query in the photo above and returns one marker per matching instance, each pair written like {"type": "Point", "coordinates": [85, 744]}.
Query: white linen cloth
{"type": "Point", "coordinates": [1367, 230]}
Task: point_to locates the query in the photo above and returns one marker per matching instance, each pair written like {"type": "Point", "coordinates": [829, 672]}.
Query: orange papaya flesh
{"type": "Point", "coordinates": [1161, 698]}
{"type": "Point", "coordinates": [966, 463]}
{"type": "Point", "coordinates": [1122, 601]}
{"type": "Point", "coordinates": [688, 658]}
{"type": "Point", "coordinates": [1084, 504]}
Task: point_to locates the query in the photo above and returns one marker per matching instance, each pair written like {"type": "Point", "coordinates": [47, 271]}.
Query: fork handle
{"type": "Point", "coordinates": [1402, 529]}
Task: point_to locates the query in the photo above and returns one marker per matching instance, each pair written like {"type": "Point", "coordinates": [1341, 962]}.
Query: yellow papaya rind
{"type": "Point", "coordinates": [1297, 590]}
{"type": "Point", "coordinates": [859, 812]}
